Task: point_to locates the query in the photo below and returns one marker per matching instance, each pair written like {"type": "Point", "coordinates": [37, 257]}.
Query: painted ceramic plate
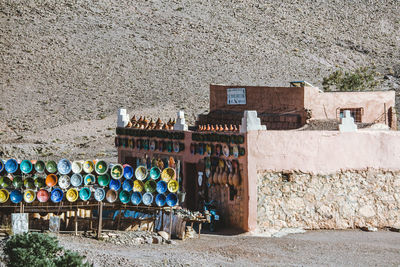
{"type": "Point", "coordinates": [235, 151]}
{"type": "Point", "coordinates": [64, 182]}
{"type": "Point", "coordinates": [225, 150]}
{"type": "Point", "coordinates": [153, 145]}
{"type": "Point", "coordinates": [176, 147]}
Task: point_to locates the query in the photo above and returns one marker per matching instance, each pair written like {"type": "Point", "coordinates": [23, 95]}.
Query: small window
{"type": "Point", "coordinates": [356, 113]}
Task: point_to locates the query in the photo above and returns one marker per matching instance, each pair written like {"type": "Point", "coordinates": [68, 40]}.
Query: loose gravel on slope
{"type": "Point", "coordinates": [65, 65]}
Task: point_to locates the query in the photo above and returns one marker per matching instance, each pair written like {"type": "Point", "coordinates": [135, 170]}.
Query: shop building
{"type": "Point", "coordinates": [247, 155]}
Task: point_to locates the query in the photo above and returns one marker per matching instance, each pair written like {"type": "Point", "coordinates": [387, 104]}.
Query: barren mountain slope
{"type": "Point", "coordinates": [66, 62]}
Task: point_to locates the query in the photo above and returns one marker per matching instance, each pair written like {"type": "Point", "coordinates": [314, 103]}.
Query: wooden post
{"type": "Point", "coordinates": [200, 224]}
{"type": "Point", "coordinates": [162, 220]}
{"type": "Point", "coordinates": [119, 219]}
{"type": "Point", "coordinates": [91, 220]}
{"type": "Point", "coordinates": [100, 220]}
{"type": "Point", "coordinates": [76, 221]}
{"type": "Point", "coordinates": [170, 223]}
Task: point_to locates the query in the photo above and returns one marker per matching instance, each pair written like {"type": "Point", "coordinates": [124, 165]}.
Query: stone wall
{"type": "Point", "coordinates": [341, 200]}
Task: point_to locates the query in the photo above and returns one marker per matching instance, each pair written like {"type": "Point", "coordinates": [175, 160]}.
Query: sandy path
{"type": "Point", "coordinates": [314, 248]}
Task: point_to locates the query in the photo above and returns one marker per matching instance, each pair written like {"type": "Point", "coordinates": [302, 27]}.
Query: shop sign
{"type": "Point", "coordinates": [236, 96]}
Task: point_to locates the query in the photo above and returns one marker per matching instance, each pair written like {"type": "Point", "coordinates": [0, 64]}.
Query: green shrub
{"type": "Point", "coordinates": [361, 79]}
{"type": "Point", "coordinates": [34, 249]}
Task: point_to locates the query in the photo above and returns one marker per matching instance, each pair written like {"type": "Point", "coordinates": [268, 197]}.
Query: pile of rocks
{"type": "Point", "coordinates": [133, 238]}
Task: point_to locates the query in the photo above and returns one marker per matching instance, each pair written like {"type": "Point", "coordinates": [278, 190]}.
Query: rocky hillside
{"type": "Point", "coordinates": [66, 65]}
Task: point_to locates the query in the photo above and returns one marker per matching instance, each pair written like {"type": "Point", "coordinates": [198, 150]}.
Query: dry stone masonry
{"type": "Point", "coordinates": [342, 200]}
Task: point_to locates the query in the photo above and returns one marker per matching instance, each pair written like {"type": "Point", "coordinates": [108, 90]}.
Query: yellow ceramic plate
{"type": "Point", "coordinates": [173, 186]}
{"type": "Point", "coordinates": [72, 195]}
{"type": "Point", "coordinates": [138, 186]}
{"type": "Point", "coordinates": [168, 174]}
{"type": "Point", "coordinates": [4, 195]}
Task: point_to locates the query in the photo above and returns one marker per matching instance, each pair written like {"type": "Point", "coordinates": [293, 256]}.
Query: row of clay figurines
{"type": "Point", "coordinates": [143, 123]}
{"type": "Point", "coordinates": [219, 128]}
{"type": "Point", "coordinates": [223, 176]}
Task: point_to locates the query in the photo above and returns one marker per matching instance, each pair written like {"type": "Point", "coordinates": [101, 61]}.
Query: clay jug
{"type": "Point", "coordinates": [230, 180]}
{"type": "Point", "coordinates": [221, 173]}
{"type": "Point", "coordinates": [225, 176]}
{"type": "Point", "coordinates": [236, 178]}
{"type": "Point", "coordinates": [215, 176]}
{"type": "Point", "coordinates": [210, 180]}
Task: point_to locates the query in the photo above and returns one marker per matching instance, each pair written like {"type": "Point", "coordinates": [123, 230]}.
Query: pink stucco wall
{"type": "Point", "coordinates": [316, 152]}
{"type": "Point", "coordinates": [324, 104]}
{"type": "Point", "coordinates": [323, 151]}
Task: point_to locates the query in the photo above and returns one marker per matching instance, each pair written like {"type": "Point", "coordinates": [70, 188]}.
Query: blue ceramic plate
{"type": "Point", "coordinates": [160, 200]}
{"type": "Point", "coordinates": [56, 195]}
{"type": "Point", "coordinates": [136, 198]}
{"type": "Point", "coordinates": [64, 166]}
{"type": "Point", "coordinates": [147, 199]}
{"type": "Point", "coordinates": [172, 200]}
{"type": "Point", "coordinates": [162, 187]}
{"type": "Point", "coordinates": [115, 184]}
{"type": "Point", "coordinates": [11, 166]}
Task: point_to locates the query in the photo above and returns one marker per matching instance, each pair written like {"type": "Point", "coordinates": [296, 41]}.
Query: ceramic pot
{"type": "Point", "coordinates": [225, 176]}
{"type": "Point", "coordinates": [220, 176]}
{"type": "Point", "coordinates": [215, 176]}
{"type": "Point", "coordinates": [236, 179]}
{"type": "Point", "coordinates": [230, 176]}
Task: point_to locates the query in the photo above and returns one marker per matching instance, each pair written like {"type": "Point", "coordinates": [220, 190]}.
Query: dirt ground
{"type": "Point", "coordinates": [313, 248]}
